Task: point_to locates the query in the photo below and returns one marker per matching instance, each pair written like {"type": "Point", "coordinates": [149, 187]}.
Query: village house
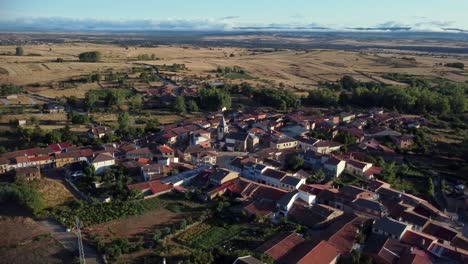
{"type": "Point", "coordinates": [53, 108]}
{"type": "Point", "coordinates": [154, 171]}
{"type": "Point", "coordinates": [403, 141]}
{"type": "Point", "coordinates": [333, 166]}
{"type": "Point", "coordinates": [102, 162]}
{"type": "Point", "coordinates": [165, 153]}
{"type": "Point", "coordinates": [4, 165]}
{"type": "Point", "coordinates": [240, 141]}
{"type": "Point", "coordinates": [357, 167]}
{"type": "Point", "coordinates": [140, 153]}
{"type": "Point", "coordinates": [326, 146]}
{"type": "Point", "coordinates": [283, 142]}
{"type": "Point", "coordinates": [347, 117]}
{"type": "Point", "coordinates": [390, 228]}
{"type": "Point", "coordinates": [65, 158]}
{"type": "Point", "coordinates": [98, 132]}
{"type": "Point", "coordinates": [151, 189]}
{"type": "Point", "coordinates": [221, 176]}
{"type": "Point", "coordinates": [306, 143]}
{"type": "Point", "coordinates": [280, 245]}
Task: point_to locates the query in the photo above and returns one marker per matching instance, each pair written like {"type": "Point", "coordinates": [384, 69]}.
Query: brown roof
{"type": "Point", "coordinates": [417, 239]}
{"type": "Point", "coordinates": [280, 245]}
{"type": "Point", "coordinates": [327, 143]}
{"type": "Point", "coordinates": [439, 231]}
{"type": "Point", "coordinates": [344, 239]}
{"type": "Point", "coordinates": [155, 186]}
{"type": "Point", "coordinates": [260, 208]}
{"type": "Point", "coordinates": [358, 164]}
{"type": "Point", "coordinates": [103, 157]}
{"type": "Point", "coordinates": [323, 253]}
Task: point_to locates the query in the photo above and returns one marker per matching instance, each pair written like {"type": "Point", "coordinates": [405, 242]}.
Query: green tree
{"type": "Point", "coordinates": [430, 187]}
{"type": "Point", "coordinates": [192, 106]}
{"type": "Point", "coordinates": [294, 162]}
{"type": "Point", "coordinates": [90, 100]}
{"type": "Point", "coordinates": [124, 121]}
{"type": "Point", "coordinates": [345, 138]}
{"type": "Point", "coordinates": [19, 51]}
{"type": "Point", "coordinates": [136, 102]}
{"type": "Point", "coordinates": [179, 105]}
{"type": "Point", "coordinates": [317, 177]}
{"type": "Point", "coordinates": [152, 126]}
{"type": "Point", "coordinates": [348, 82]}
{"type": "Point", "coordinates": [90, 56]}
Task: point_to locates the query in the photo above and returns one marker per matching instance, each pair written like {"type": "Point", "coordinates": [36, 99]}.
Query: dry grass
{"type": "Point", "coordinates": [294, 68]}
{"type": "Point", "coordinates": [53, 192]}
{"type": "Point", "coordinates": [79, 91]}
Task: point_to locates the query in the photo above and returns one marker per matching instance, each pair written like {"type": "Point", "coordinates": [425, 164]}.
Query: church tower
{"type": "Point", "coordinates": [223, 128]}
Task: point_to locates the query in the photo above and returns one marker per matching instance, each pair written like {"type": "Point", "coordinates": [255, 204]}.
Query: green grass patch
{"type": "Point", "coordinates": [215, 236]}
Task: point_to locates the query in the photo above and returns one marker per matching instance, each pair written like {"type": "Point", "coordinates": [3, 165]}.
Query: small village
{"type": "Point", "coordinates": [325, 182]}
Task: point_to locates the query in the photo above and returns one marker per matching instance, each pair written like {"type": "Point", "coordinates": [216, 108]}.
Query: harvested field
{"type": "Point", "coordinates": [302, 69]}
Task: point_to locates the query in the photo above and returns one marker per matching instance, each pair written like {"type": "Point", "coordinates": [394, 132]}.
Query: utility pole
{"type": "Point", "coordinates": [80, 241]}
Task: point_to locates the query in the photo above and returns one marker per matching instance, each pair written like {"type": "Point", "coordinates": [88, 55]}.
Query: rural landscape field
{"type": "Point", "coordinates": [201, 132]}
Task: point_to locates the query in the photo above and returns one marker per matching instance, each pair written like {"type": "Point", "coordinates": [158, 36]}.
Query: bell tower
{"type": "Point", "coordinates": [223, 128]}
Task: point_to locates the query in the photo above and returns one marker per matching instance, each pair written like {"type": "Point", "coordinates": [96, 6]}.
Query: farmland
{"type": "Point", "coordinates": [300, 69]}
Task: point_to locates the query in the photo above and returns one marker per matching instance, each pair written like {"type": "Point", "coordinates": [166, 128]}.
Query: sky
{"type": "Point", "coordinates": [231, 15]}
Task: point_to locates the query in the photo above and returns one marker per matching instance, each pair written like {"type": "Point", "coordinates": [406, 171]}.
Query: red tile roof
{"type": "Point", "coordinates": [260, 208]}
{"type": "Point", "coordinates": [165, 149]}
{"type": "Point", "coordinates": [280, 245]}
{"type": "Point", "coordinates": [323, 253]}
{"type": "Point", "coordinates": [344, 239]}
{"type": "Point", "coordinates": [155, 186]}
{"type": "Point", "coordinates": [439, 231]}
{"type": "Point", "coordinates": [417, 239]}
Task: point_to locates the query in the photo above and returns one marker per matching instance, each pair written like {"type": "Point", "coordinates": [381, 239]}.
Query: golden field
{"type": "Point", "coordinates": [300, 69]}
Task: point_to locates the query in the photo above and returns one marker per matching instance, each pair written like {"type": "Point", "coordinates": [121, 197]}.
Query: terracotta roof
{"type": "Point", "coordinates": [165, 149]}
{"type": "Point", "coordinates": [155, 186]}
{"type": "Point", "coordinates": [358, 164]}
{"type": "Point", "coordinates": [344, 239]}
{"type": "Point", "coordinates": [439, 231]}
{"type": "Point", "coordinates": [140, 151]}
{"type": "Point", "coordinates": [413, 218]}
{"type": "Point", "coordinates": [417, 239]}
{"type": "Point", "coordinates": [450, 252]}
{"type": "Point", "coordinates": [260, 208]}
{"type": "Point", "coordinates": [21, 159]}
{"type": "Point", "coordinates": [40, 158]}
{"type": "Point", "coordinates": [333, 161]}
{"type": "Point", "coordinates": [327, 143]}
{"type": "Point", "coordinates": [280, 245]}
{"type": "Point", "coordinates": [323, 253]}
{"type": "Point", "coordinates": [103, 157]}
{"type": "Point", "coordinates": [277, 174]}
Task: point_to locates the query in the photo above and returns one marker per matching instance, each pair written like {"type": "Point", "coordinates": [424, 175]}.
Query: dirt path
{"type": "Point", "coordinates": [69, 240]}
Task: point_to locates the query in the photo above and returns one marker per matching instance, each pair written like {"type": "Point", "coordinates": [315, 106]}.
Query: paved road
{"type": "Point", "coordinates": [69, 240]}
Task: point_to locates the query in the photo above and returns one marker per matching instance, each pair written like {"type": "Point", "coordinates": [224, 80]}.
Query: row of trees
{"type": "Point", "coordinates": [279, 99]}
{"type": "Point", "coordinates": [213, 99]}
{"type": "Point", "coordinates": [444, 99]}
{"type": "Point", "coordinates": [181, 107]}
{"type": "Point", "coordinates": [8, 89]}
